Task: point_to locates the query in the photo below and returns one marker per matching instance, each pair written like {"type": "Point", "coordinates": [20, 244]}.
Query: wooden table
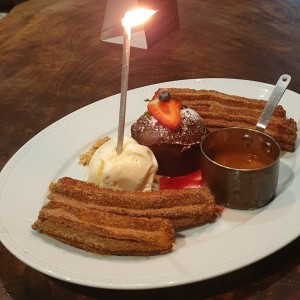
{"type": "Point", "coordinates": [52, 63]}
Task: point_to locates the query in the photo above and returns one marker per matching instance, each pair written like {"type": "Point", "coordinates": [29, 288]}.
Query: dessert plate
{"type": "Point", "coordinates": [235, 240]}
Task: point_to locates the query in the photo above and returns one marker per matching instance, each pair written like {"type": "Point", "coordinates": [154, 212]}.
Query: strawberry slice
{"type": "Point", "coordinates": [156, 94]}
{"type": "Point", "coordinates": [167, 113]}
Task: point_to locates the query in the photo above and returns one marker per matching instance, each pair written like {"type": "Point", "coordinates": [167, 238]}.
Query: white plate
{"type": "Point", "coordinates": [237, 239]}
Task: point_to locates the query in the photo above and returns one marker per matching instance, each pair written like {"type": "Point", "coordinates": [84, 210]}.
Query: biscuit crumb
{"type": "Point", "coordinates": [85, 158]}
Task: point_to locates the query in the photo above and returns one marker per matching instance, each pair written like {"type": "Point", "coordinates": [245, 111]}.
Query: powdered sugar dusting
{"type": "Point", "coordinates": [189, 116]}
{"type": "Point", "coordinates": [149, 129]}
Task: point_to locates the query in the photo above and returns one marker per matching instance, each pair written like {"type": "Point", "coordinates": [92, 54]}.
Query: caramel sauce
{"type": "Point", "coordinates": [241, 160]}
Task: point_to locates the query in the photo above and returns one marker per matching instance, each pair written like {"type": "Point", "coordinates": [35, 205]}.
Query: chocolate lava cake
{"type": "Point", "coordinates": [177, 151]}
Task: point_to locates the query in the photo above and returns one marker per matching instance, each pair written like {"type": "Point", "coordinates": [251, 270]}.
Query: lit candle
{"type": "Point", "coordinates": [132, 18]}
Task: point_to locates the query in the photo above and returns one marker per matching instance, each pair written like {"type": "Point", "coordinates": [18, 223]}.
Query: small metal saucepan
{"type": "Point", "coordinates": [240, 165]}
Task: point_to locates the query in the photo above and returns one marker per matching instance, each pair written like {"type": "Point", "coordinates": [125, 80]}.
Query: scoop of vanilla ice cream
{"type": "Point", "coordinates": [132, 170]}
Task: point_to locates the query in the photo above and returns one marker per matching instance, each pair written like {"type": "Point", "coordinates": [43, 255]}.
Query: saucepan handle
{"type": "Point", "coordinates": [274, 99]}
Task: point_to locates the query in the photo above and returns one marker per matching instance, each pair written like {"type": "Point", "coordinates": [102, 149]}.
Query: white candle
{"type": "Point", "coordinates": [131, 18]}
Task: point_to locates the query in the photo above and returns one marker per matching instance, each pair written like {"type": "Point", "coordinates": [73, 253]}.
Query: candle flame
{"type": "Point", "coordinates": [137, 16]}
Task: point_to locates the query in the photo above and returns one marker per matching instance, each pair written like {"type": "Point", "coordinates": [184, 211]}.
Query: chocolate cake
{"type": "Point", "coordinates": [177, 151]}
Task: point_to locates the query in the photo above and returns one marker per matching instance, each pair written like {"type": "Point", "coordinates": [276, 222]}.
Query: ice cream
{"type": "Point", "coordinates": [132, 170]}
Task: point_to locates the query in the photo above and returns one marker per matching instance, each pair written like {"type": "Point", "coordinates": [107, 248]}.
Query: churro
{"type": "Point", "coordinates": [104, 233]}
{"type": "Point", "coordinates": [184, 208]}
{"type": "Point", "coordinates": [220, 110]}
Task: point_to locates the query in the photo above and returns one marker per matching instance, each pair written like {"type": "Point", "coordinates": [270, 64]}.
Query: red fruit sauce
{"type": "Point", "coordinates": [190, 180]}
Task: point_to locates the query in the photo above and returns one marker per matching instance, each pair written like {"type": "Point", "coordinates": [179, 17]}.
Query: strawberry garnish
{"type": "Point", "coordinates": [167, 113]}
{"type": "Point", "coordinates": [156, 94]}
